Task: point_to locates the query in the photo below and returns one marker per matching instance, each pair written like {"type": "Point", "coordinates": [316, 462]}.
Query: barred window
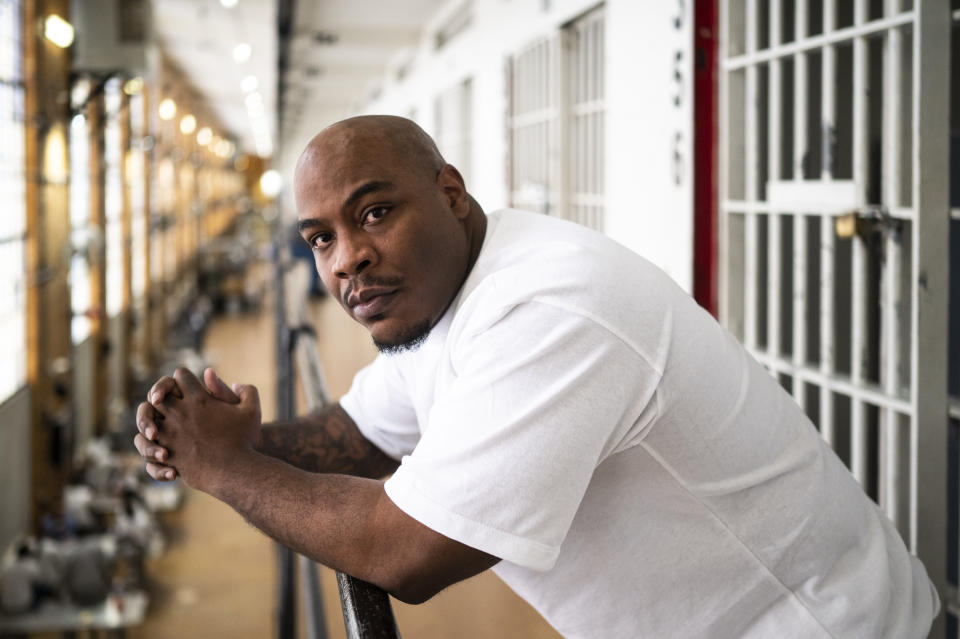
{"type": "Point", "coordinates": [556, 124]}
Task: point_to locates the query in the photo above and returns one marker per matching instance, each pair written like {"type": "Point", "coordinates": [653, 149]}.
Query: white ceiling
{"type": "Point", "coordinates": [200, 35]}
{"type": "Point", "coordinates": [338, 50]}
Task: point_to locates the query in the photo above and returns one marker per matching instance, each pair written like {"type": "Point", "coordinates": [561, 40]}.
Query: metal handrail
{"type": "Point", "coordinates": [367, 613]}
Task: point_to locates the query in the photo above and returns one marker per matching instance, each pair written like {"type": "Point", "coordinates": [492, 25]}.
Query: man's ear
{"type": "Point", "coordinates": [451, 182]}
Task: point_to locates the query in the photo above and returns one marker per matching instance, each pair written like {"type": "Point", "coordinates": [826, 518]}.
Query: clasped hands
{"type": "Point", "coordinates": [199, 430]}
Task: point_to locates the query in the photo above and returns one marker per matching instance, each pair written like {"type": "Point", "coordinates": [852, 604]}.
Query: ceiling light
{"type": "Point", "coordinates": [249, 84]}
{"type": "Point", "coordinates": [133, 86]}
{"type": "Point", "coordinates": [188, 124]}
{"type": "Point", "coordinates": [270, 183]}
{"type": "Point", "coordinates": [58, 31]}
{"type": "Point", "coordinates": [241, 52]}
{"type": "Point", "coordinates": [204, 136]}
{"type": "Point", "coordinates": [167, 109]}
{"type": "Point", "coordinates": [229, 4]}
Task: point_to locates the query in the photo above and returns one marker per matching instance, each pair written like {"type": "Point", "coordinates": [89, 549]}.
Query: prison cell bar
{"type": "Point", "coordinates": [751, 161]}
{"type": "Point", "coordinates": [828, 110]}
{"type": "Point", "coordinates": [801, 138]}
{"type": "Point", "coordinates": [858, 276]}
{"type": "Point", "coordinates": [775, 113]}
{"type": "Point", "coordinates": [892, 290]}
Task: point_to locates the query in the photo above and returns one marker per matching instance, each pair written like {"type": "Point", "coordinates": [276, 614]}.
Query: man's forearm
{"type": "Point", "coordinates": [328, 517]}
{"type": "Point", "coordinates": [346, 523]}
{"type": "Point", "coordinates": [326, 441]}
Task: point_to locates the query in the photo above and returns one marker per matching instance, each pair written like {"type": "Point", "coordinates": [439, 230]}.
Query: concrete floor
{"type": "Point", "coordinates": [217, 578]}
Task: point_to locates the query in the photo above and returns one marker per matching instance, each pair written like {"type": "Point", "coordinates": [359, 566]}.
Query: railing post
{"type": "Point", "coordinates": [286, 610]}
{"type": "Point", "coordinates": [366, 610]}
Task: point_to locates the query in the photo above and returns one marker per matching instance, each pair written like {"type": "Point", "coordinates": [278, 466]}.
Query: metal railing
{"type": "Point", "coordinates": [367, 613]}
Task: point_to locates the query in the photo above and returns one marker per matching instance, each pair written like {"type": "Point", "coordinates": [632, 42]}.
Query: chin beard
{"type": "Point", "coordinates": [409, 340]}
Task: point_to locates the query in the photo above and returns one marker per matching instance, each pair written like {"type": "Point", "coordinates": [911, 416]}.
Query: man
{"type": "Point", "coordinates": [561, 412]}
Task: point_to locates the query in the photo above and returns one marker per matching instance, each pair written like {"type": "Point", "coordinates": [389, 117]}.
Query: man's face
{"type": "Point", "coordinates": [388, 240]}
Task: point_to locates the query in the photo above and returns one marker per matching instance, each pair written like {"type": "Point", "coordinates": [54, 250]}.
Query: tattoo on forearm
{"type": "Point", "coordinates": [325, 442]}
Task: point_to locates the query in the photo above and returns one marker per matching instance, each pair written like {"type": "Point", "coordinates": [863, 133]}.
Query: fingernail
{"type": "Point", "coordinates": [150, 432]}
{"type": "Point", "coordinates": [168, 474]}
{"type": "Point", "coordinates": [159, 455]}
{"type": "Point", "coordinates": [153, 397]}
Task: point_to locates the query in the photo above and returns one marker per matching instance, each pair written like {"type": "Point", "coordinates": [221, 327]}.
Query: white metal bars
{"type": "Point", "coordinates": [584, 88]}
{"type": "Point", "coordinates": [534, 124]}
{"type": "Point", "coordinates": [556, 123]}
{"type": "Point", "coordinates": [824, 112]}
{"type": "Point", "coordinates": [454, 116]}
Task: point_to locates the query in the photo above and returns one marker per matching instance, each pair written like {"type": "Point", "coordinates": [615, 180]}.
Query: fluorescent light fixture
{"type": "Point", "coordinates": [167, 109]}
{"type": "Point", "coordinates": [204, 136]}
{"type": "Point", "coordinates": [223, 148]}
{"type": "Point", "coordinates": [249, 84]}
{"type": "Point", "coordinates": [261, 137]}
{"type": "Point", "coordinates": [188, 124]}
{"type": "Point", "coordinates": [58, 31]}
{"type": "Point", "coordinates": [270, 183]}
{"type": "Point", "coordinates": [253, 99]}
{"type": "Point", "coordinates": [242, 52]}
{"type": "Point", "coordinates": [133, 86]}
{"type": "Point", "coordinates": [229, 4]}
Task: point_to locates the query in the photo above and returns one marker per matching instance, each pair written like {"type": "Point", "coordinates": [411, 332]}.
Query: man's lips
{"type": "Point", "coordinates": [369, 302]}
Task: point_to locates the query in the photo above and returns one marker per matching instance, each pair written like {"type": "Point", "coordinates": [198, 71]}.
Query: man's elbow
{"type": "Point", "coordinates": [412, 588]}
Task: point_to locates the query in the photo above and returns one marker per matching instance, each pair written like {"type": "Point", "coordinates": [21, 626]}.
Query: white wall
{"type": "Point", "coordinates": [648, 137]}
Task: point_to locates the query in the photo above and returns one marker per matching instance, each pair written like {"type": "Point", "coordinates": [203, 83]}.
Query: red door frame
{"type": "Point", "coordinates": [705, 152]}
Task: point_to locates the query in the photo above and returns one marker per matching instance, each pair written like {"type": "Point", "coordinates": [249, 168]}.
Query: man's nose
{"type": "Point", "coordinates": [354, 254]}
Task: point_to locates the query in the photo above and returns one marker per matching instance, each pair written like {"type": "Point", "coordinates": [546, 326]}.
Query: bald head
{"type": "Point", "coordinates": [367, 138]}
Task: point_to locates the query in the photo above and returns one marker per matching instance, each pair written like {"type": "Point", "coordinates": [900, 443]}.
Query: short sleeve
{"type": "Point", "coordinates": [538, 399]}
{"type": "Point", "coordinates": [379, 403]}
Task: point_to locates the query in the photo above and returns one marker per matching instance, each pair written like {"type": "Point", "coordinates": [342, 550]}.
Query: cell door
{"type": "Point", "coordinates": [834, 232]}
{"type": "Point", "coordinates": [556, 122]}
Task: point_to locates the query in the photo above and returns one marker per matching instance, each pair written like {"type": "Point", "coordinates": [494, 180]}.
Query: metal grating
{"type": "Point", "coordinates": [584, 45]}
{"type": "Point", "coordinates": [454, 114]}
{"type": "Point", "coordinates": [13, 221]}
{"type": "Point", "coordinates": [556, 123]}
{"type": "Point", "coordinates": [534, 125]}
{"type": "Point", "coordinates": [825, 231]}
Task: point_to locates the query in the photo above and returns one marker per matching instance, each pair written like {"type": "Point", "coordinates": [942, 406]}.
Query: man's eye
{"type": "Point", "coordinates": [375, 213]}
{"type": "Point", "coordinates": [320, 239]}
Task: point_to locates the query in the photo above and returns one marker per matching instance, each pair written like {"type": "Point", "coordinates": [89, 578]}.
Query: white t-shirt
{"type": "Point", "coordinates": [576, 414]}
